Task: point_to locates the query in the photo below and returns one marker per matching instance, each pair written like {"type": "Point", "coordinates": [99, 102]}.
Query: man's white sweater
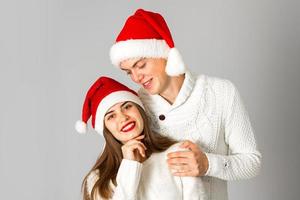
{"type": "Point", "coordinates": [209, 111]}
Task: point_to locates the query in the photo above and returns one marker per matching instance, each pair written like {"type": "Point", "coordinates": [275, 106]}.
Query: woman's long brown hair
{"type": "Point", "coordinates": [110, 159]}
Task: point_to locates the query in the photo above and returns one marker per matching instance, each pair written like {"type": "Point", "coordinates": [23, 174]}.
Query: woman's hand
{"type": "Point", "coordinates": [134, 149]}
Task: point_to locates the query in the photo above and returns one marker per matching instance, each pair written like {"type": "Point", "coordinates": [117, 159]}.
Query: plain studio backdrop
{"type": "Point", "coordinates": [51, 51]}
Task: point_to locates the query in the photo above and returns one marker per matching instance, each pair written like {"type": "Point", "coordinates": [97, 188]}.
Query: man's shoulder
{"type": "Point", "coordinates": [214, 80]}
{"type": "Point", "coordinates": [217, 84]}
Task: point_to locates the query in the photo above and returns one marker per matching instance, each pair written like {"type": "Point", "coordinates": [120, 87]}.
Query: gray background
{"type": "Point", "coordinates": [51, 51]}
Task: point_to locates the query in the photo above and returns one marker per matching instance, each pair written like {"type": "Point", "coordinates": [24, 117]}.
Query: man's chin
{"type": "Point", "coordinates": [151, 91]}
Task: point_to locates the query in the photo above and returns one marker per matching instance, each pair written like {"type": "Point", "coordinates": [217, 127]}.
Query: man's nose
{"type": "Point", "coordinates": [137, 76]}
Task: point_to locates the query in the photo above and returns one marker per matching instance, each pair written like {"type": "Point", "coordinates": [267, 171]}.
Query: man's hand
{"type": "Point", "coordinates": [188, 163]}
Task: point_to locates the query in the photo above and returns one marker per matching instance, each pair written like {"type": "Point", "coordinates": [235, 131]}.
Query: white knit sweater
{"type": "Point", "coordinates": [209, 111]}
{"type": "Point", "coordinates": [151, 180]}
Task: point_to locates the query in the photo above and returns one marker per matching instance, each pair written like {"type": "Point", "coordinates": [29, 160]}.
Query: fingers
{"type": "Point", "coordinates": [190, 145]}
{"type": "Point", "coordinates": [185, 144]}
{"type": "Point", "coordinates": [187, 169]}
{"type": "Point", "coordinates": [184, 170]}
{"type": "Point", "coordinates": [187, 173]}
{"type": "Point", "coordinates": [188, 163]}
{"type": "Point", "coordinates": [178, 161]}
{"type": "Point", "coordinates": [141, 149]}
{"type": "Point", "coordinates": [179, 168]}
{"type": "Point", "coordinates": [181, 154]}
{"type": "Point", "coordinates": [140, 137]}
{"type": "Point", "coordinates": [132, 149]}
{"type": "Point", "coordinates": [133, 142]}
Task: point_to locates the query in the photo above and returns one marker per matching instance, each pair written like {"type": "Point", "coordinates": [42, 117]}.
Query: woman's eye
{"type": "Point", "coordinates": [110, 117]}
{"type": "Point", "coordinates": [128, 106]}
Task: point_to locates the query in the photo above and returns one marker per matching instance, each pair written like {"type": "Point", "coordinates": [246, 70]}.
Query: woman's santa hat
{"type": "Point", "coordinates": [101, 96]}
{"type": "Point", "coordinates": [146, 34]}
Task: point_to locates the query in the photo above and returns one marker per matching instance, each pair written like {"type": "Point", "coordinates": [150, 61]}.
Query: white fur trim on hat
{"type": "Point", "coordinates": [138, 48]}
{"type": "Point", "coordinates": [110, 100]}
{"type": "Point", "coordinates": [148, 48]}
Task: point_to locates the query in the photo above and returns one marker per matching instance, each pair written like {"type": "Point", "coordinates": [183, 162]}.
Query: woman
{"type": "Point", "coordinates": [133, 162]}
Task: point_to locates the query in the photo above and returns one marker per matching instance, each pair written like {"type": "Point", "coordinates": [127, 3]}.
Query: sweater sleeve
{"type": "Point", "coordinates": [128, 178]}
{"type": "Point", "coordinates": [243, 160]}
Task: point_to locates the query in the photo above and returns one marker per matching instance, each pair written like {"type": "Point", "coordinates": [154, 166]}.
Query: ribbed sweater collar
{"type": "Point", "coordinates": [184, 92]}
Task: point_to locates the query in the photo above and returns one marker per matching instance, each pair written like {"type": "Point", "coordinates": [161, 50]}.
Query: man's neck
{"type": "Point", "coordinates": [172, 91]}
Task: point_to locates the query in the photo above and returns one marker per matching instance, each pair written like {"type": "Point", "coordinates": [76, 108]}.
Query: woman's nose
{"type": "Point", "coordinates": [123, 117]}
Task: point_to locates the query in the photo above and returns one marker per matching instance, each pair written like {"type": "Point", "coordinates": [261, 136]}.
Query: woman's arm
{"type": "Point", "coordinates": [128, 178]}
{"type": "Point", "coordinates": [129, 172]}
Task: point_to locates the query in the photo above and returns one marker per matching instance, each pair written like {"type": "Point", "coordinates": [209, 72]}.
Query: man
{"type": "Point", "coordinates": [206, 112]}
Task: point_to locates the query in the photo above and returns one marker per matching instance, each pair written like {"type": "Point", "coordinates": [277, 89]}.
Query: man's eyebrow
{"type": "Point", "coordinates": [133, 66]}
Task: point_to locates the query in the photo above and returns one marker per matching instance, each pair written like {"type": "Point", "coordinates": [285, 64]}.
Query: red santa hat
{"type": "Point", "coordinates": [101, 96]}
{"type": "Point", "coordinates": [146, 34]}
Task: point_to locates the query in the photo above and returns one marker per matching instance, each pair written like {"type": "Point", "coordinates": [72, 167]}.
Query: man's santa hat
{"type": "Point", "coordinates": [101, 96]}
{"type": "Point", "coordinates": [146, 34]}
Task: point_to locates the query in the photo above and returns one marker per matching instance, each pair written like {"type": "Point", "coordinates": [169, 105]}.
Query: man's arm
{"type": "Point", "coordinates": [243, 160]}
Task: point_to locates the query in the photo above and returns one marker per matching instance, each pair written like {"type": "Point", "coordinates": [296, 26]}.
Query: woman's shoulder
{"type": "Point", "coordinates": [175, 147]}
{"type": "Point", "coordinates": [92, 178]}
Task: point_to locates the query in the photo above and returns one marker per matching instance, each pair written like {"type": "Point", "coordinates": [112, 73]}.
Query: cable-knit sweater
{"type": "Point", "coordinates": [150, 180]}
{"type": "Point", "coordinates": [209, 111]}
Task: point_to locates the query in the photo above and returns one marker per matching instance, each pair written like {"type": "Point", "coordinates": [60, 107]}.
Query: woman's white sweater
{"type": "Point", "coordinates": [209, 111]}
{"type": "Point", "coordinates": [151, 180]}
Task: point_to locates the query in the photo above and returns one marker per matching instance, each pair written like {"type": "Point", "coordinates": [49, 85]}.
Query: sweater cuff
{"type": "Point", "coordinates": [129, 176]}
{"type": "Point", "coordinates": [216, 165]}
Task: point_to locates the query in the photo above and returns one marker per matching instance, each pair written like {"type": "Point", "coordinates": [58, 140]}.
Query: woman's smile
{"type": "Point", "coordinates": [128, 127]}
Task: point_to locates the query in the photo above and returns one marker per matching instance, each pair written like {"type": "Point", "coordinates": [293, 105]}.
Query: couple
{"type": "Point", "coordinates": [199, 134]}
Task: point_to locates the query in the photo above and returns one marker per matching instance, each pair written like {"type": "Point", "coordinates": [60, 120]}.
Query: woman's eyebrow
{"type": "Point", "coordinates": [123, 104]}
{"type": "Point", "coordinates": [108, 112]}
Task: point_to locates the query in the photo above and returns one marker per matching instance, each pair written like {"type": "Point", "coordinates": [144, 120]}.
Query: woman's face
{"type": "Point", "coordinates": [124, 121]}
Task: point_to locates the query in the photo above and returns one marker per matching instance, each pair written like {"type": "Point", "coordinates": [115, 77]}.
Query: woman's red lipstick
{"type": "Point", "coordinates": [128, 127]}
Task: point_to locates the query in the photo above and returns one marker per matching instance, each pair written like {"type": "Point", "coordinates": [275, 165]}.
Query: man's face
{"type": "Point", "coordinates": [147, 72]}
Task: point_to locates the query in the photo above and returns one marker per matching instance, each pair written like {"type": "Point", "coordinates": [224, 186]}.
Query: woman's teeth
{"type": "Point", "coordinates": [128, 127]}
